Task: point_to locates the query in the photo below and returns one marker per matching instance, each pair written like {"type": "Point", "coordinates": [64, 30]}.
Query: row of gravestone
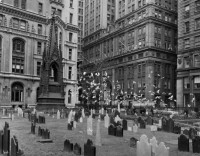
{"type": "Point", "coordinates": [184, 144]}
{"type": "Point", "coordinates": [89, 148]}
{"type": "Point", "coordinates": [115, 130]}
{"type": "Point", "coordinates": [7, 147]}
{"type": "Point", "coordinates": [33, 118]}
{"type": "Point", "coordinates": [44, 133]}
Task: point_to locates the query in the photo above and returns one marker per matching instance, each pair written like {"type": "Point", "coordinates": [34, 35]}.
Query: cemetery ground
{"type": "Point", "coordinates": [111, 145]}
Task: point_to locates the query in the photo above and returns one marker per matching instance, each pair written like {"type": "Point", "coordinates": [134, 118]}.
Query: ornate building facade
{"type": "Point", "coordinates": [188, 61]}
{"type": "Point", "coordinates": [24, 29]}
{"type": "Point", "coordinates": [138, 51]}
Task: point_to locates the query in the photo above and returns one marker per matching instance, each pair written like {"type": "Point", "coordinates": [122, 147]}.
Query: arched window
{"type": "Point", "coordinates": [54, 72]}
{"type": "Point", "coordinates": [18, 56]}
{"type": "Point", "coordinates": [17, 92]}
{"type": "Point", "coordinates": [60, 40]}
{"type": "Point", "coordinates": [69, 96]}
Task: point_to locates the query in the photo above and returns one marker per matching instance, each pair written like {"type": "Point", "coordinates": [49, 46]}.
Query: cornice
{"type": "Point", "coordinates": [21, 33]}
{"type": "Point", "coordinates": [6, 9]}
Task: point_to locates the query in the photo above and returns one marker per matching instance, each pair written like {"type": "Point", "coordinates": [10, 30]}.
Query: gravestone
{"type": "Point", "coordinates": [58, 114]}
{"type": "Point", "coordinates": [112, 121]}
{"type": "Point", "coordinates": [154, 128]}
{"type": "Point", "coordinates": [162, 150]}
{"type": "Point", "coordinates": [196, 144]}
{"type": "Point", "coordinates": [89, 125]}
{"type": "Point", "coordinates": [12, 116]}
{"type": "Point", "coordinates": [142, 124]}
{"type": "Point", "coordinates": [143, 147]}
{"type": "Point", "coordinates": [4, 111]}
{"type": "Point", "coordinates": [39, 131]}
{"type": "Point", "coordinates": [117, 119]}
{"type": "Point", "coordinates": [164, 124]}
{"type": "Point", "coordinates": [119, 131]}
{"type": "Point", "coordinates": [76, 117]}
{"type": "Point", "coordinates": [183, 143]}
{"type": "Point", "coordinates": [68, 147]}
{"type": "Point", "coordinates": [1, 141]}
{"type": "Point", "coordinates": [14, 147]}
{"type": "Point", "coordinates": [186, 132]}
{"type": "Point", "coordinates": [69, 117]}
{"type": "Point", "coordinates": [77, 149]}
{"type": "Point", "coordinates": [177, 129]}
{"type": "Point", "coordinates": [149, 120]}
{"type": "Point", "coordinates": [135, 128]}
{"type": "Point", "coordinates": [81, 119]}
{"type": "Point", "coordinates": [32, 128]}
{"type": "Point", "coordinates": [98, 134]}
{"type": "Point", "coordinates": [192, 133]}
{"type": "Point", "coordinates": [89, 148]}
{"type": "Point", "coordinates": [106, 121]}
{"type": "Point", "coordinates": [112, 130]}
{"type": "Point", "coordinates": [154, 144]}
{"type": "Point", "coordinates": [124, 124]}
{"type": "Point", "coordinates": [133, 142]}
{"type": "Point", "coordinates": [74, 124]}
{"type": "Point", "coordinates": [170, 125]}
{"type": "Point", "coordinates": [6, 138]}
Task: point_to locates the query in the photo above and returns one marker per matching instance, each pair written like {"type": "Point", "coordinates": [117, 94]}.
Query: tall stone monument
{"type": "Point", "coordinates": [51, 91]}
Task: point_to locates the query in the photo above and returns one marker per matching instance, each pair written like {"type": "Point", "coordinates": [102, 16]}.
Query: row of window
{"type": "Point", "coordinates": [195, 82]}
{"type": "Point", "coordinates": [187, 44]}
{"type": "Point", "coordinates": [187, 25]}
{"type": "Point", "coordinates": [187, 61]}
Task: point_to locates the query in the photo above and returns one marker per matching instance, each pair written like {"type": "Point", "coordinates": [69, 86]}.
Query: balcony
{"type": "Point", "coordinates": [57, 2]}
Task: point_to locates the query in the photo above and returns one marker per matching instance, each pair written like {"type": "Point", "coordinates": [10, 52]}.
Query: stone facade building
{"type": "Point", "coordinates": [24, 29]}
{"type": "Point", "coordinates": [188, 59]}
{"type": "Point", "coordinates": [138, 50]}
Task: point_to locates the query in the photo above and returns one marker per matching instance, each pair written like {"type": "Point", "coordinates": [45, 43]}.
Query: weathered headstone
{"type": "Point", "coordinates": [77, 149]}
{"type": "Point", "coordinates": [143, 147]}
{"type": "Point", "coordinates": [89, 149]}
{"type": "Point", "coordinates": [170, 125]}
{"type": "Point", "coordinates": [81, 119]}
{"type": "Point", "coordinates": [32, 128]}
{"type": "Point", "coordinates": [112, 130]}
{"type": "Point", "coordinates": [149, 120]}
{"type": "Point", "coordinates": [4, 111]}
{"type": "Point", "coordinates": [164, 124]}
{"type": "Point", "coordinates": [135, 128]}
{"type": "Point", "coordinates": [98, 134]}
{"type": "Point", "coordinates": [142, 124]}
{"type": "Point", "coordinates": [14, 147]}
{"type": "Point", "coordinates": [196, 144]}
{"type": "Point", "coordinates": [68, 147]}
{"type": "Point", "coordinates": [133, 142]}
{"type": "Point", "coordinates": [154, 128]}
{"type": "Point", "coordinates": [106, 121]}
{"type": "Point", "coordinates": [183, 143]}
{"type": "Point", "coordinates": [192, 133]}
{"type": "Point", "coordinates": [6, 138]}
{"type": "Point", "coordinates": [119, 131]}
{"type": "Point", "coordinates": [83, 113]}
{"type": "Point", "coordinates": [124, 124]}
{"type": "Point", "coordinates": [58, 114]}
{"type": "Point", "coordinates": [154, 144]}
{"type": "Point", "coordinates": [89, 126]}
{"type": "Point", "coordinates": [162, 150]}
{"type": "Point", "coordinates": [177, 129]}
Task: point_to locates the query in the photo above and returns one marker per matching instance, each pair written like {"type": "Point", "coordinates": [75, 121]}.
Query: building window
{"type": "Point", "coordinates": [197, 3]}
{"type": "Point", "coordinates": [70, 37]}
{"type": "Point", "coordinates": [40, 8]}
{"type": "Point", "coordinates": [69, 96]}
{"type": "Point", "coordinates": [70, 73]}
{"type": "Point", "coordinates": [15, 23]}
{"type": "Point", "coordinates": [186, 62]}
{"type": "Point", "coordinates": [59, 12]}
{"type": "Point", "coordinates": [23, 25]}
{"type": "Point", "coordinates": [71, 3]}
{"type": "Point", "coordinates": [0, 44]}
{"type": "Point", "coordinates": [39, 29]}
{"type": "Point", "coordinates": [17, 92]}
{"type": "Point", "coordinates": [16, 3]}
{"type": "Point", "coordinates": [71, 18]}
{"type": "Point", "coordinates": [70, 54]}
{"type": "Point", "coordinates": [187, 26]}
{"type": "Point", "coordinates": [23, 4]}
{"type": "Point", "coordinates": [187, 43]}
{"type": "Point", "coordinates": [1, 20]}
{"type": "Point", "coordinates": [196, 61]}
{"type": "Point", "coordinates": [197, 82]}
{"type": "Point", "coordinates": [38, 68]}
{"type": "Point", "coordinates": [197, 22]}
{"type": "Point", "coordinates": [18, 56]}
{"type": "Point", "coordinates": [39, 48]}
{"type": "Point", "coordinates": [187, 11]}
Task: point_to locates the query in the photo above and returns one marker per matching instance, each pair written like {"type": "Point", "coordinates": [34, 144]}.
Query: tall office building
{"type": "Point", "coordinates": [188, 59]}
{"type": "Point", "coordinates": [24, 28]}
{"type": "Point", "coordinates": [138, 51]}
